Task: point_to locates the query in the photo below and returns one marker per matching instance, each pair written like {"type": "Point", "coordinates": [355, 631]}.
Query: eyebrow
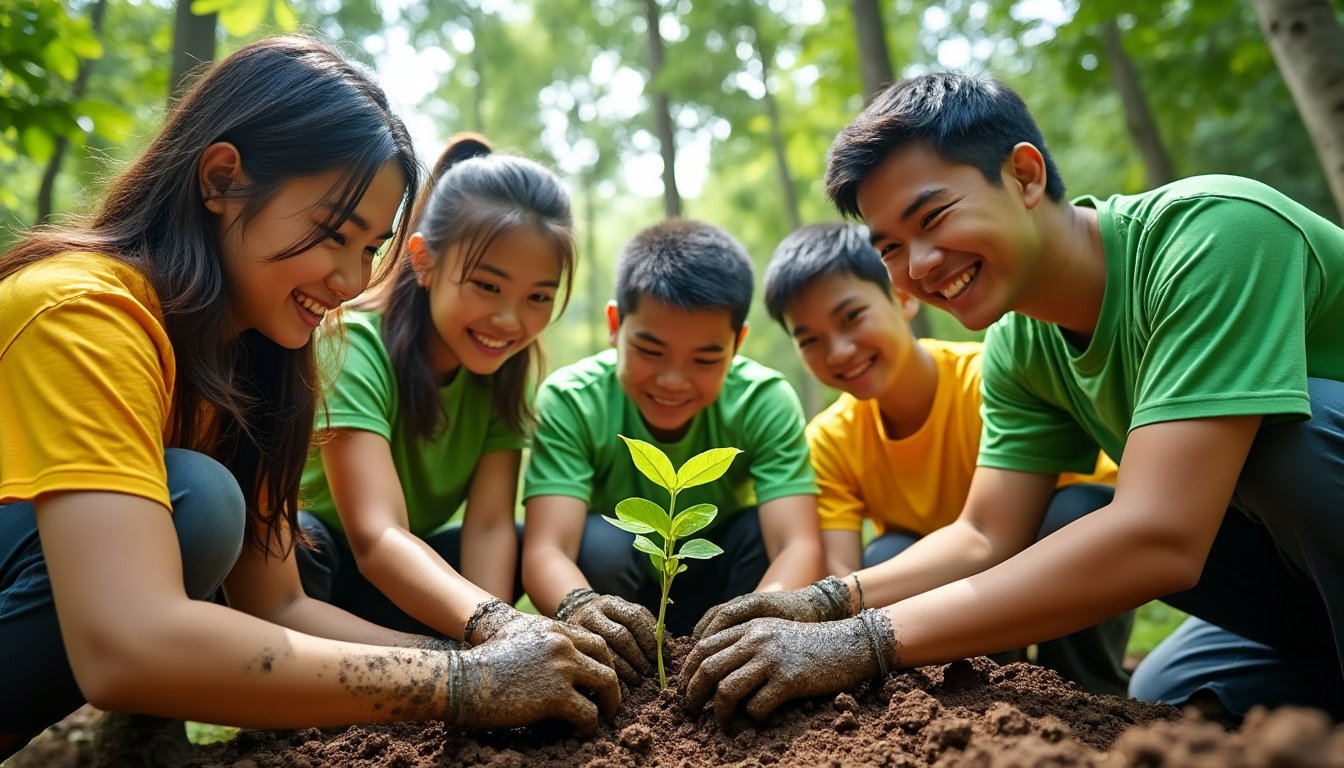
{"type": "Point", "coordinates": [919, 202]}
{"type": "Point", "coordinates": [799, 330]}
{"type": "Point", "coordinates": [359, 221]}
{"type": "Point", "coordinates": [651, 339]}
{"type": "Point", "coordinates": [492, 269]}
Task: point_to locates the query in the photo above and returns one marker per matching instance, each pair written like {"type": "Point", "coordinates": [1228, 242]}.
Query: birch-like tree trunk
{"type": "Point", "coordinates": [1308, 45]}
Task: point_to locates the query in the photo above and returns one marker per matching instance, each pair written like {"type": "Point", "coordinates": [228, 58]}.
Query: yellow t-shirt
{"type": "Point", "coordinates": [918, 483]}
{"type": "Point", "coordinates": [86, 380]}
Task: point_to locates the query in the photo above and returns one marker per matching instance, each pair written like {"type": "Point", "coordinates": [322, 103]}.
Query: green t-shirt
{"type": "Point", "coordinates": [582, 409]}
{"type": "Point", "coordinates": [1222, 297]}
{"type": "Point", "coordinates": [435, 474]}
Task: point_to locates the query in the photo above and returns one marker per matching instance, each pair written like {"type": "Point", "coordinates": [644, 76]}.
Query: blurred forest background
{"type": "Point", "coordinates": [720, 110]}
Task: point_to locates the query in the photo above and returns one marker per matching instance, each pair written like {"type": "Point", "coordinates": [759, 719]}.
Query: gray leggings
{"type": "Point", "coordinates": [1270, 601]}
{"type": "Point", "coordinates": [39, 688]}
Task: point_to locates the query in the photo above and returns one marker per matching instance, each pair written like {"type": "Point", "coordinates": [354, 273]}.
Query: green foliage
{"type": "Point", "coordinates": [642, 517]}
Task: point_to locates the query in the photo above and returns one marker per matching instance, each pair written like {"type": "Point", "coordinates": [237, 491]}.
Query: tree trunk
{"type": "Point", "coordinates": [193, 45]}
{"type": "Point", "coordinates": [597, 315]}
{"type": "Point", "coordinates": [48, 186]}
{"type": "Point", "coordinates": [662, 113]}
{"type": "Point", "coordinates": [874, 57]}
{"type": "Point", "coordinates": [1138, 119]}
{"type": "Point", "coordinates": [1308, 46]}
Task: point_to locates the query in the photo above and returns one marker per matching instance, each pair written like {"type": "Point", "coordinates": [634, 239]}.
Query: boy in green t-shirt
{"type": "Point", "coordinates": [1194, 332]}
{"type": "Point", "coordinates": [674, 379]}
{"type": "Point", "coordinates": [898, 447]}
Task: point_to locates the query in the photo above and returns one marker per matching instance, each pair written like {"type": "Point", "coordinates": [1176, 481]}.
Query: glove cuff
{"type": "Point", "coordinates": [835, 601]}
{"type": "Point", "coordinates": [486, 619]}
{"type": "Point", "coordinates": [881, 638]}
{"type": "Point", "coordinates": [576, 599]}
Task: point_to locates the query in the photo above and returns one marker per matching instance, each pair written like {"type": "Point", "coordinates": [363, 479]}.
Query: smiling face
{"type": "Point", "coordinates": [672, 362]}
{"type": "Point", "coordinates": [504, 302]}
{"type": "Point", "coordinates": [850, 335]}
{"type": "Point", "coordinates": [285, 299]}
{"type": "Point", "coordinates": [952, 239]}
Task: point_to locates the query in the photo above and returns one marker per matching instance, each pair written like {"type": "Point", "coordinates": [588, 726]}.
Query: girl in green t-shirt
{"type": "Point", "coordinates": [431, 402]}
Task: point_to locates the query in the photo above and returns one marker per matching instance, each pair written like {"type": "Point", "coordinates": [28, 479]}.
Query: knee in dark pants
{"type": "Point", "coordinates": [1073, 502]}
{"type": "Point", "coordinates": [209, 515]}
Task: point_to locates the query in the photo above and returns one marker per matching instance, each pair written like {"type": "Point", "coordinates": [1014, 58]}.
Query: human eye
{"type": "Point", "coordinates": [806, 341]}
{"type": "Point", "coordinates": [645, 351]}
{"type": "Point", "coordinates": [334, 236]}
{"type": "Point", "coordinates": [888, 250]}
{"type": "Point", "coordinates": [929, 218]}
{"type": "Point", "coordinates": [486, 285]}
{"type": "Point", "coordinates": [854, 314]}
{"type": "Point", "coordinates": [708, 363]}
{"type": "Point", "coordinates": [541, 298]}
{"type": "Point", "coordinates": [372, 250]}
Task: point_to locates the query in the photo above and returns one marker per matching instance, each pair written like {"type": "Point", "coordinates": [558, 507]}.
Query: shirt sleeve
{"type": "Point", "coordinates": [840, 504]}
{"type": "Point", "coordinates": [1219, 307]}
{"type": "Point", "coordinates": [85, 393]}
{"type": "Point", "coordinates": [561, 462]}
{"type": "Point", "coordinates": [362, 394]}
{"type": "Point", "coordinates": [777, 444]}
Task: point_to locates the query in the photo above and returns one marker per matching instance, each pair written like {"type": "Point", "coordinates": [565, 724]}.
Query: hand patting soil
{"type": "Point", "coordinates": [969, 713]}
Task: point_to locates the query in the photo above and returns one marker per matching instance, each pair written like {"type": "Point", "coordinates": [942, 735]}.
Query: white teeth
{"type": "Point", "coordinates": [309, 304]}
{"type": "Point", "coordinates": [662, 401]}
{"type": "Point", "coordinates": [954, 290]}
{"type": "Point", "coordinates": [486, 341]}
{"type": "Point", "coordinates": [856, 371]}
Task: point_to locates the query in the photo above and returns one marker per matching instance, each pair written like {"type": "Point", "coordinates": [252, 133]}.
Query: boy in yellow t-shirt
{"type": "Point", "coordinates": [899, 446]}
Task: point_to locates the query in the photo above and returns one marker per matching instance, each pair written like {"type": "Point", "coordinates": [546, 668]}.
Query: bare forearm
{"type": "Point", "coordinates": [943, 556]}
{"type": "Point", "coordinates": [261, 675]}
{"type": "Point", "coordinates": [489, 554]}
{"type": "Point", "coordinates": [798, 564]}
{"type": "Point", "coordinates": [548, 575]}
{"type": "Point", "coordinates": [420, 582]}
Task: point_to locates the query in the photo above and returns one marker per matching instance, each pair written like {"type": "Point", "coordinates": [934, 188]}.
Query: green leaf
{"type": "Point", "coordinates": [285, 18]}
{"type": "Point", "coordinates": [692, 519]}
{"type": "Point", "coordinates": [705, 468]}
{"type": "Point", "coordinates": [644, 511]}
{"type": "Point", "coordinates": [651, 462]}
{"type": "Point", "coordinates": [658, 562]}
{"type": "Point", "coordinates": [644, 544]}
{"type": "Point", "coordinates": [632, 526]}
{"type": "Point", "coordinates": [680, 568]}
{"type": "Point", "coordinates": [700, 549]}
{"type": "Point", "coordinates": [241, 17]}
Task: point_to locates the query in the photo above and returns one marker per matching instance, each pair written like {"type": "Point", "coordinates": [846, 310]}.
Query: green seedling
{"type": "Point", "coordinates": [641, 517]}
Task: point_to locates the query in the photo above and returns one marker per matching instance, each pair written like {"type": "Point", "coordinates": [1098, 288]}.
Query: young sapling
{"type": "Point", "coordinates": [642, 517]}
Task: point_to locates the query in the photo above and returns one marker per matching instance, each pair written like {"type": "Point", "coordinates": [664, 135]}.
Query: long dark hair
{"type": "Point", "coordinates": [474, 198]}
{"type": "Point", "coordinates": [293, 107]}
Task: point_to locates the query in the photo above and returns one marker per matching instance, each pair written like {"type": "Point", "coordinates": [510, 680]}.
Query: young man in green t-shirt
{"type": "Point", "coordinates": [1195, 333]}
{"type": "Point", "coordinates": [673, 379]}
{"type": "Point", "coordinates": [898, 447]}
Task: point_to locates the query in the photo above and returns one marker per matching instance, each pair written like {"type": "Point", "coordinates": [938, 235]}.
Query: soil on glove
{"type": "Point", "coordinates": [969, 713]}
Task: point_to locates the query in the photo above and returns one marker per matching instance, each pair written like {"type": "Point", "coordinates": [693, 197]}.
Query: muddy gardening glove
{"type": "Point", "coordinates": [767, 662]}
{"type": "Point", "coordinates": [825, 600]}
{"type": "Point", "coordinates": [527, 669]}
{"type": "Point", "coordinates": [628, 629]}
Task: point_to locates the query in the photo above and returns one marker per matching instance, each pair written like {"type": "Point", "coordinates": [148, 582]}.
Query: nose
{"type": "Point", "coordinates": [839, 350]}
{"type": "Point", "coordinates": [924, 258]}
{"type": "Point", "coordinates": [506, 316]}
{"type": "Point", "coordinates": [671, 379]}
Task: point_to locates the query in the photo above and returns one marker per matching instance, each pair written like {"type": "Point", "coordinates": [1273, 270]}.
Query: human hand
{"type": "Point", "coordinates": [529, 668]}
{"type": "Point", "coordinates": [767, 662]}
{"type": "Point", "coordinates": [629, 629]}
{"type": "Point", "coordinates": [824, 600]}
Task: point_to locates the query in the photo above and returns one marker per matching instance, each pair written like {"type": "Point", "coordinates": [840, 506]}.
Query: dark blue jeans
{"type": "Point", "coordinates": [1271, 598]}
{"type": "Point", "coordinates": [1093, 657]}
{"type": "Point", "coordinates": [330, 574]}
{"type": "Point", "coordinates": [38, 687]}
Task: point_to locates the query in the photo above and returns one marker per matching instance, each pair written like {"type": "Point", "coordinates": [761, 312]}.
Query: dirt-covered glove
{"type": "Point", "coordinates": [825, 600]}
{"type": "Point", "coordinates": [493, 617]}
{"type": "Point", "coordinates": [526, 670]}
{"type": "Point", "coordinates": [629, 629]}
{"type": "Point", "coordinates": [767, 662]}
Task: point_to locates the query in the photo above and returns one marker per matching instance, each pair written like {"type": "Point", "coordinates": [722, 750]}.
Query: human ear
{"type": "Point", "coordinates": [219, 169]}
{"type": "Point", "coordinates": [908, 304]}
{"type": "Point", "coordinates": [1026, 166]}
{"type": "Point", "coordinates": [421, 261]}
{"type": "Point", "coordinates": [741, 336]}
{"type": "Point", "coordinates": [613, 321]}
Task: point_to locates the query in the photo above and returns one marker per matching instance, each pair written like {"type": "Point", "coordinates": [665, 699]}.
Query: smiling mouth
{"type": "Point", "coordinates": [666, 403]}
{"type": "Point", "coordinates": [311, 305]}
{"type": "Point", "coordinates": [958, 286]}
{"type": "Point", "coordinates": [855, 371]}
{"type": "Point", "coordinates": [488, 342]}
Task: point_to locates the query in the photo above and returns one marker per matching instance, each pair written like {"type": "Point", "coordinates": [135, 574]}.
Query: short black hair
{"type": "Point", "coordinates": [965, 119]}
{"type": "Point", "coordinates": [817, 250]}
{"type": "Point", "coordinates": [685, 264]}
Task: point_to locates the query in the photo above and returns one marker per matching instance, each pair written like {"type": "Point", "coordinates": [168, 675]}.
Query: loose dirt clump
{"type": "Point", "coordinates": [969, 713]}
